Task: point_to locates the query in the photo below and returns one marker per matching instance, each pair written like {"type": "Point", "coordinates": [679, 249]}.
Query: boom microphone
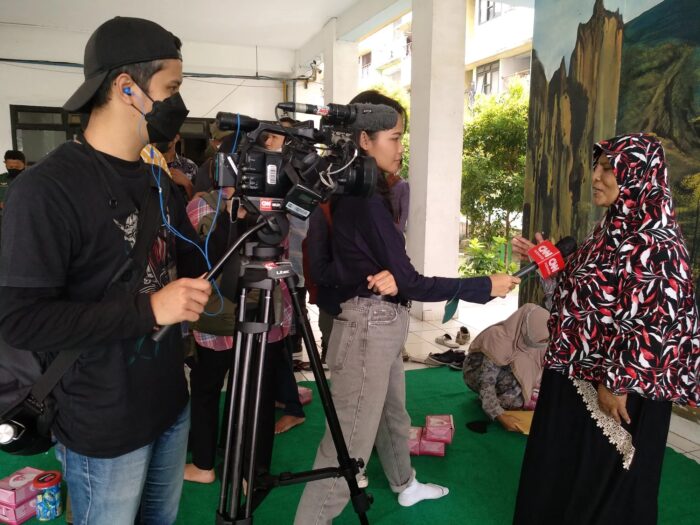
{"type": "Point", "coordinates": [368, 117]}
{"type": "Point", "coordinates": [548, 258]}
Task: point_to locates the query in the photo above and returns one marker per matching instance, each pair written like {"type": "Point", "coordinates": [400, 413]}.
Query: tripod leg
{"type": "Point", "coordinates": [349, 467]}
{"type": "Point", "coordinates": [256, 396]}
{"type": "Point", "coordinates": [225, 496]}
{"type": "Point", "coordinates": [242, 432]}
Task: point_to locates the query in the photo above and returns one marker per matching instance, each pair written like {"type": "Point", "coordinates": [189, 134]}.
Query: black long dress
{"type": "Point", "coordinates": [571, 472]}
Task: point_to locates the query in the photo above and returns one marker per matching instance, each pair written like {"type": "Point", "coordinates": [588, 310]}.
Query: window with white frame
{"type": "Point", "coordinates": [487, 78]}
{"type": "Point", "coordinates": [488, 10]}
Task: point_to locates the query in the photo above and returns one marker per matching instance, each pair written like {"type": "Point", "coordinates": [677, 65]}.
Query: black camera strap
{"type": "Point", "coordinates": [131, 271]}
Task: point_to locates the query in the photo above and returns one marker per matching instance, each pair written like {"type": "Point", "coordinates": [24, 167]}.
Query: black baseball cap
{"type": "Point", "coordinates": [116, 43]}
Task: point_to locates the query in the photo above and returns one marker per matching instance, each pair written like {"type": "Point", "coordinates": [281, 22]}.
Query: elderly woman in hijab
{"type": "Point", "coordinates": [624, 346]}
{"type": "Point", "coordinates": [504, 363]}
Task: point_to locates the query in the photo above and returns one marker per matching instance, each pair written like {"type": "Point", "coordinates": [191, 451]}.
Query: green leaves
{"type": "Point", "coordinates": [493, 161]}
{"type": "Point", "coordinates": [487, 258]}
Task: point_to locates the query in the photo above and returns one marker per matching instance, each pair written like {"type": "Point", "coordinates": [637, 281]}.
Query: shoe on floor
{"type": "Point", "coordinates": [458, 358]}
{"type": "Point", "coordinates": [445, 358]}
{"type": "Point", "coordinates": [456, 365]}
{"type": "Point", "coordinates": [463, 336]}
{"type": "Point", "coordinates": [446, 340]}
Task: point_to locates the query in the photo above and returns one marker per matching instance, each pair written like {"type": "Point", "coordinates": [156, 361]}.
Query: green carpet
{"type": "Point", "coordinates": [481, 470]}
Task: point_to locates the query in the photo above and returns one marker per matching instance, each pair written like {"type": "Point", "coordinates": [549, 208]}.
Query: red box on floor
{"type": "Point", "coordinates": [19, 514]}
{"type": "Point", "coordinates": [431, 448]}
{"type": "Point", "coordinates": [439, 428]}
{"type": "Point", "coordinates": [305, 395]}
{"type": "Point", "coordinates": [17, 488]}
{"type": "Point", "coordinates": [414, 435]}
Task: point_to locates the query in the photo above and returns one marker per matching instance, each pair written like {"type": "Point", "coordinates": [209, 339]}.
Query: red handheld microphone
{"type": "Point", "coordinates": [548, 258]}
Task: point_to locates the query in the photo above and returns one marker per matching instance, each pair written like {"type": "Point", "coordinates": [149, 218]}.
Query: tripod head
{"type": "Point", "coordinates": [276, 226]}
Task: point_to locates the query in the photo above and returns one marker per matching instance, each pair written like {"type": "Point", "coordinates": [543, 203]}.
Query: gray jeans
{"type": "Point", "coordinates": [369, 393]}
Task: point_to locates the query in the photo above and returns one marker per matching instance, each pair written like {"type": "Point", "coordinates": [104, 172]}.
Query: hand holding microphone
{"type": "Point", "coordinates": [546, 257]}
{"type": "Point", "coordinates": [502, 283]}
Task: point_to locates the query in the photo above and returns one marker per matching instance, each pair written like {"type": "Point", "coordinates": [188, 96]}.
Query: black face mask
{"type": "Point", "coordinates": [13, 172]}
{"type": "Point", "coordinates": [165, 118]}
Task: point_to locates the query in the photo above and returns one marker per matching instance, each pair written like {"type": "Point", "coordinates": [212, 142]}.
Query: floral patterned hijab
{"type": "Point", "coordinates": [624, 311]}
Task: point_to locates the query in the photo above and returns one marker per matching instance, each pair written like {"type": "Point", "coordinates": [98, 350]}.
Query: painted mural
{"type": "Point", "coordinates": [601, 68]}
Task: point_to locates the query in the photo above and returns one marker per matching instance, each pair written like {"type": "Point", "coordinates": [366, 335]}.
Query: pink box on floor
{"type": "Point", "coordinates": [17, 488]}
{"type": "Point", "coordinates": [305, 395]}
{"type": "Point", "coordinates": [19, 514]}
{"type": "Point", "coordinates": [439, 428]}
{"type": "Point", "coordinates": [414, 435]}
{"type": "Point", "coordinates": [431, 448]}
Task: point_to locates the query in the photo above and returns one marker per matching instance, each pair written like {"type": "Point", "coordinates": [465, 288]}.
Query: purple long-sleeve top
{"type": "Point", "coordinates": [400, 198]}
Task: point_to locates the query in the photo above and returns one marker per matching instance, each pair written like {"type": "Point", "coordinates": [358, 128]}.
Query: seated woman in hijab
{"type": "Point", "coordinates": [504, 364]}
{"type": "Point", "coordinates": [624, 346]}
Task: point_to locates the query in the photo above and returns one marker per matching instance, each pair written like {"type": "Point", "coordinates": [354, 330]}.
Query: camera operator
{"type": "Point", "coordinates": [70, 223]}
{"type": "Point", "coordinates": [364, 355]}
{"type": "Point", "coordinates": [287, 394]}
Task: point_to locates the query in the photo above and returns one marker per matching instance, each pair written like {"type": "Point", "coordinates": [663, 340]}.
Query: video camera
{"type": "Point", "coordinates": [313, 164]}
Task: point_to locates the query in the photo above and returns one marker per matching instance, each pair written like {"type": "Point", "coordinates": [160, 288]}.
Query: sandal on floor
{"type": "Point", "coordinates": [446, 340]}
{"type": "Point", "coordinates": [463, 336]}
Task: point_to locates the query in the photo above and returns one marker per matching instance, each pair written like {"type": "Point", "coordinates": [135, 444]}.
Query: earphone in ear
{"type": "Point", "coordinates": [127, 91]}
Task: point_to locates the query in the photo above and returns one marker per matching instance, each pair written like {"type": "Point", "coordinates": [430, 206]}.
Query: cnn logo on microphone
{"type": "Point", "coordinates": [547, 257]}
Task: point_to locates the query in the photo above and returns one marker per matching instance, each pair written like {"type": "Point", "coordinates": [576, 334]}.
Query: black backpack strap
{"type": "Point", "coordinates": [130, 272]}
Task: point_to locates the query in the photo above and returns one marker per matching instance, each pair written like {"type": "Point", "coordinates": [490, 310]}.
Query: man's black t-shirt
{"type": "Point", "coordinates": [63, 240]}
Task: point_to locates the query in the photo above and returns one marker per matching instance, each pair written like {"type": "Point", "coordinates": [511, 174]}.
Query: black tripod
{"type": "Point", "coordinates": [264, 273]}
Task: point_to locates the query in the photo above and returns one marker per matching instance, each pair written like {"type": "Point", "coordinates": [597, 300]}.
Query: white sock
{"type": "Point", "coordinates": [418, 491]}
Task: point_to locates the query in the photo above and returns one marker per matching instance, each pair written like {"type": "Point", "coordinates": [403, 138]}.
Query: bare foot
{"type": "Point", "coordinates": [286, 422]}
{"type": "Point", "coordinates": [197, 475]}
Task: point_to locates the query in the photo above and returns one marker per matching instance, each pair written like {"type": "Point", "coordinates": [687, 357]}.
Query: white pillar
{"type": "Point", "coordinates": [437, 110]}
{"type": "Point", "coordinates": [340, 73]}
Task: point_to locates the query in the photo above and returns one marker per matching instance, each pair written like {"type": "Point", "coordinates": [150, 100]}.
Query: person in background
{"type": "Point", "coordinates": [624, 345]}
{"type": "Point", "coordinates": [182, 170]}
{"type": "Point", "coordinates": [504, 363]}
{"type": "Point", "coordinates": [287, 392]}
{"type": "Point", "coordinates": [15, 163]}
{"type": "Point", "coordinates": [204, 179]}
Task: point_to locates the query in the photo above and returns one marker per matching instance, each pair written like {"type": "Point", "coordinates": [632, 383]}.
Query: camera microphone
{"type": "Point", "coordinates": [368, 117]}
{"type": "Point", "coordinates": [548, 258]}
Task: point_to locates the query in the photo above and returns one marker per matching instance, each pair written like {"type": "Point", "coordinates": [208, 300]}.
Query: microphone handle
{"type": "Point", "coordinates": [524, 271]}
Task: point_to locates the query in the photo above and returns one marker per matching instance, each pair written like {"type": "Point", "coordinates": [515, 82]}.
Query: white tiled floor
{"type": "Point", "coordinates": [684, 436]}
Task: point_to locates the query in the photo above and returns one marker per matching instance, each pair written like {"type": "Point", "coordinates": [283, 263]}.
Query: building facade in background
{"type": "Point", "coordinates": [498, 48]}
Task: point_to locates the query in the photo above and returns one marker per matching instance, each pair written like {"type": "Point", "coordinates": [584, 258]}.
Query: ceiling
{"type": "Point", "coordinates": [285, 24]}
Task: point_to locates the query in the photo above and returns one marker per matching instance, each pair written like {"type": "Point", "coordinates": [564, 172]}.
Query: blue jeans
{"type": "Point", "coordinates": [147, 481]}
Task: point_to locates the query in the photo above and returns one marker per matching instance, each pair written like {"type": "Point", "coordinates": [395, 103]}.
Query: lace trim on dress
{"type": "Point", "coordinates": [616, 434]}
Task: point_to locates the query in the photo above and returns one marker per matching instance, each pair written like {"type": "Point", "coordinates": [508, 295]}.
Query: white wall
{"type": "Point", "coordinates": [37, 85]}
{"type": "Point", "coordinates": [511, 29]}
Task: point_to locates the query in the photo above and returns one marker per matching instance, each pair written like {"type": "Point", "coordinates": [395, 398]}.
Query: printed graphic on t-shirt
{"type": "Point", "coordinates": [155, 277]}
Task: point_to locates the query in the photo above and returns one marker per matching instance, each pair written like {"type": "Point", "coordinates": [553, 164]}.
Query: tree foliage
{"type": "Point", "coordinates": [493, 162]}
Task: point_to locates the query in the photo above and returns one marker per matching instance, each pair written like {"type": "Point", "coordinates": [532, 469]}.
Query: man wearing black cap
{"type": "Point", "coordinates": [70, 222]}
